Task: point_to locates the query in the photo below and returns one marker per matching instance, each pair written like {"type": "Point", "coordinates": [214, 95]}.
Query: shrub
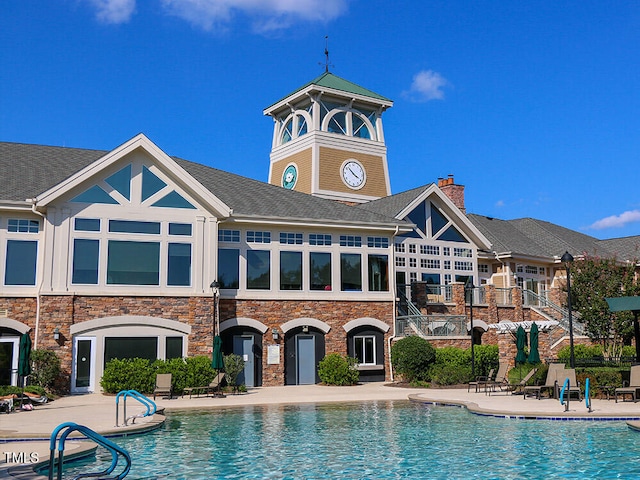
{"type": "Point", "coordinates": [45, 369]}
{"type": "Point", "coordinates": [198, 371]}
{"type": "Point", "coordinates": [177, 367]}
{"type": "Point", "coordinates": [128, 374]}
{"type": "Point", "coordinates": [517, 373]}
{"type": "Point", "coordinates": [411, 358]}
{"type": "Point", "coordinates": [580, 351]}
{"type": "Point", "coordinates": [334, 369]}
{"type": "Point", "coordinates": [486, 358]}
{"type": "Point", "coordinates": [233, 366]}
{"type": "Point", "coordinates": [444, 374]}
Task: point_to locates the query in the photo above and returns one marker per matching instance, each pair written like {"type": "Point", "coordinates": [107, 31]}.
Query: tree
{"type": "Point", "coordinates": [592, 280]}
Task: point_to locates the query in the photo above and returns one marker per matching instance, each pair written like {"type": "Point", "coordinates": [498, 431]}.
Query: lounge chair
{"type": "Point", "coordinates": [501, 381]}
{"type": "Point", "coordinates": [551, 383]}
{"type": "Point", "coordinates": [213, 387]}
{"type": "Point", "coordinates": [632, 388]}
{"type": "Point", "coordinates": [163, 385]}
{"type": "Point", "coordinates": [517, 388]}
{"type": "Point", "coordinates": [574, 388]}
{"type": "Point", "coordinates": [481, 381]}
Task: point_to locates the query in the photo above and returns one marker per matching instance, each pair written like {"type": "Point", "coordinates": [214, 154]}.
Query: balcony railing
{"type": "Point", "coordinates": [432, 325]}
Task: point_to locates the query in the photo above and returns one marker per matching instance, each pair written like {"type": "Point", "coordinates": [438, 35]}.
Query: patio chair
{"type": "Point", "coordinates": [633, 387]}
{"type": "Point", "coordinates": [551, 383]}
{"type": "Point", "coordinates": [481, 380]}
{"type": "Point", "coordinates": [574, 388]}
{"type": "Point", "coordinates": [501, 381]}
{"type": "Point", "coordinates": [215, 387]}
{"type": "Point", "coordinates": [163, 385]}
{"type": "Point", "coordinates": [517, 388]}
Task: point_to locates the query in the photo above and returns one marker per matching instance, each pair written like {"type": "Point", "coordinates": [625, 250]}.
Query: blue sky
{"type": "Point", "coordinates": [533, 106]}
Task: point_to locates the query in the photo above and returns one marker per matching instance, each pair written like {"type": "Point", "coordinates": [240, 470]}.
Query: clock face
{"type": "Point", "coordinates": [353, 174]}
{"type": "Point", "coordinates": [290, 177]}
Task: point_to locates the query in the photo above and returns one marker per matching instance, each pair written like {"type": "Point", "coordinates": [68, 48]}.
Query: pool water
{"type": "Point", "coordinates": [378, 440]}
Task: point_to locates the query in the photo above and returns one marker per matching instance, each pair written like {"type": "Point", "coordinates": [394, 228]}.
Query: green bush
{"type": "Point", "coordinates": [128, 374]}
{"type": "Point", "coordinates": [580, 351]}
{"type": "Point", "coordinates": [177, 367]}
{"type": "Point", "coordinates": [599, 377]}
{"type": "Point", "coordinates": [334, 369]}
{"type": "Point", "coordinates": [486, 358]}
{"type": "Point", "coordinates": [443, 374]}
{"type": "Point", "coordinates": [12, 390]}
{"type": "Point", "coordinates": [517, 373]}
{"type": "Point", "coordinates": [45, 369]}
{"type": "Point", "coordinates": [411, 358]}
{"type": "Point", "coordinates": [233, 366]}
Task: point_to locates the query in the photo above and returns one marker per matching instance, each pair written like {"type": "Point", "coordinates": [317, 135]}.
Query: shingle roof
{"type": "Point", "coordinates": [533, 237]}
{"type": "Point", "coordinates": [29, 170]}
{"type": "Point", "coordinates": [393, 204]}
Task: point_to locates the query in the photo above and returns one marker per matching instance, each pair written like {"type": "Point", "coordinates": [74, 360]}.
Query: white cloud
{"type": "Point", "coordinates": [500, 203]}
{"type": "Point", "coordinates": [427, 85]}
{"type": "Point", "coordinates": [114, 11]}
{"type": "Point", "coordinates": [267, 15]}
{"type": "Point", "coordinates": [617, 221]}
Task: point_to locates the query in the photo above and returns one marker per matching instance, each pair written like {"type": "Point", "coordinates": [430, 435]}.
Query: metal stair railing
{"type": "Point", "coordinates": [149, 404]}
{"type": "Point", "coordinates": [536, 301]}
{"type": "Point", "coordinates": [115, 450]}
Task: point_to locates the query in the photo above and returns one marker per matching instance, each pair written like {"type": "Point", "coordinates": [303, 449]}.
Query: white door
{"type": "Point", "coordinates": [83, 375]}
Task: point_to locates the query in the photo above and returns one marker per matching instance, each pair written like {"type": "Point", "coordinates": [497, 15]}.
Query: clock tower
{"type": "Point", "coordinates": [328, 141]}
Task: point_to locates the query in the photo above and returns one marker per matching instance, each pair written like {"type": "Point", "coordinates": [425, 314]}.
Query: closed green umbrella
{"type": "Point", "coordinates": [521, 341]}
{"type": "Point", "coordinates": [534, 355]}
{"type": "Point", "coordinates": [24, 356]}
{"type": "Point", "coordinates": [217, 360]}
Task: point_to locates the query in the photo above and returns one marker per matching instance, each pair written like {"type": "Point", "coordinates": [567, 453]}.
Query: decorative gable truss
{"type": "Point", "coordinates": [132, 222]}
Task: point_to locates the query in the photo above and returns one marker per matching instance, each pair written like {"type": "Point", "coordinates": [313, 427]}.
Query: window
{"type": "Point", "coordinates": [447, 264]}
{"type": "Point", "coordinates": [173, 347]}
{"type": "Point", "coordinates": [438, 220]}
{"type": "Point", "coordinates": [290, 238]}
{"type": "Point", "coordinates": [229, 267]}
{"type": "Point", "coordinates": [412, 248]}
{"type": "Point", "coordinates": [365, 349]}
{"type": "Point", "coordinates": [128, 226]}
{"type": "Point", "coordinates": [483, 268]}
{"type": "Point", "coordinates": [350, 241]}
{"type": "Point", "coordinates": [229, 236]}
{"type": "Point", "coordinates": [400, 262]}
{"type": "Point", "coordinates": [20, 264]}
{"type": "Point", "coordinates": [377, 242]}
{"type": "Point", "coordinates": [446, 251]}
{"type": "Point", "coordinates": [531, 270]}
{"type": "Point", "coordinates": [86, 254]}
{"type": "Point", "coordinates": [462, 252]}
{"type": "Point", "coordinates": [179, 265]}
{"type": "Point", "coordinates": [400, 247]}
{"type": "Point", "coordinates": [429, 250]}
{"type": "Point", "coordinates": [412, 263]}
{"type": "Point", "coordinates": [350, 272]}
{"type": "Point", "coordinates": [413, 277]}
{"type": "Point", "coordinates": [258, 237]}
{"type": "Point", "coordinates": [378, 273]}
{"type": "Point", "coordinates": [180, 229]}
{"type": "Point", "coordinates": [22, 225]}
{"type": "Point", "coordinates": [433, 281]}
{"type": "Point", "coordinates": [429, 263]}
{"type": "Point", "coordinates": [320, 269]}
{"type": "Point", "coordinates": [130, 347]}
{"type": "Point", "coordinates": [319, 239]}
{"type": "Point", "coordinates": [290, 270]}
{"type": "Point", "coordinates": [87, 224]}
{"type": "Point", "coordinates": [459, 265]}
{"type": "Point", "coordinates": [133, 263]}
{"type": "Point", "coordinates": [258, 270]}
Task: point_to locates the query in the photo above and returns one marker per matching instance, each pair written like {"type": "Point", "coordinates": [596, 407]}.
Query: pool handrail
{"type": "Point", "coordinates": [149, 404]}
{"type": "Point", "coordinates": [69, 427]}
{"type": "Point", "coordinates": [566, 386]}
{"type": "Point", "coordinates": [587, 394]}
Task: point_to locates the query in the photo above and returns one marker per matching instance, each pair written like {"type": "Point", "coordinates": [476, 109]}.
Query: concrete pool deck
{"type": "Point", "coordinates": [25, 432]}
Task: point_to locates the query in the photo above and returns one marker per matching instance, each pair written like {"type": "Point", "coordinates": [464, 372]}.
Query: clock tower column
{"type": "Point", "coordinates": [328, 141]}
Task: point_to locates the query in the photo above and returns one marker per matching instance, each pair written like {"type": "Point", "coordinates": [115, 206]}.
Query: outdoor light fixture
{"type": "Point", "coordinates": [305, 329]}
{"type": "Point", "coordinates": [56, 333]}
{"type": "Point", "coordinates": [567, 258]}
{"type": "Point", "coordinates": [275, 334]}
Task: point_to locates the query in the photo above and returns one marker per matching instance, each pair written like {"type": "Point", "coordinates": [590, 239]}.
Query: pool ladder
{"type": "Point", "coordinates": [64, 429]}
{"type": "Point", "coordinates": [587, 394]}
{"type": "Point", "coordinates": [149, 404]}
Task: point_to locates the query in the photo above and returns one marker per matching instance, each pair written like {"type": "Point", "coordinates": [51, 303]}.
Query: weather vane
{"type": "Point", "coordinates": [327, 64]}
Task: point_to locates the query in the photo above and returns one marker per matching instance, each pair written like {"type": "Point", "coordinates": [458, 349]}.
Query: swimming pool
{"type": "Point", "coordinates": [376, 440]}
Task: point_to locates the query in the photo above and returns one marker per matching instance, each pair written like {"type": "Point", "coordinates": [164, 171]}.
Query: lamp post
{"type": "Point", "coordinates": [470, 288]}
{"type": "Point", "coordinates": [567, 258]}
{"type": "Point", "coordinates": [215, 289]}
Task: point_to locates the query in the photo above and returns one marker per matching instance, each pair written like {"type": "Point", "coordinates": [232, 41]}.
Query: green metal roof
{"type": "Point", "coordinates": [623, 304]}
{"type": "Point", "coordinates": [329, 80]}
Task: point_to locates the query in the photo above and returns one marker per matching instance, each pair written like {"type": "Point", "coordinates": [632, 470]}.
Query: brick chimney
{"type": "Point", "coordinates": [453, 191]}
